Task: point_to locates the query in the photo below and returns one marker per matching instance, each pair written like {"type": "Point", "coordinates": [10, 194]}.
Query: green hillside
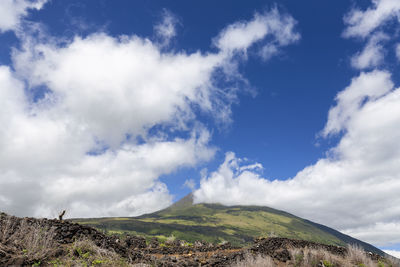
{"type": "Point", "coordinates": [216, 223]}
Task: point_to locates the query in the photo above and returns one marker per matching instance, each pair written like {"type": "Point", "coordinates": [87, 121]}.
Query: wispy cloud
{"type": "Point", "coordinates": [190, 183]}
{"type": "Point", "coordinates": [373, 53]}
{"type": "Point", "coordinates": [369, 25]}
{"type": "Point", "coordinates": [166, 29]}
{"type": "Point", "coordinates": [238, 37]}
{"type": "Point", "coordinates": [361, 23]}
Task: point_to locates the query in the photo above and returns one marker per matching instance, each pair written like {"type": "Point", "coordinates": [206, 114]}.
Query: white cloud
{"type": "Point", "coordinates": [268, 51]}
{"type": "Point", "coordinates": [370, 24]}
{"type": "Point", "coordinates": [12, 12]}
{"type": "Point", "coordinates": [367, 86]}
{"type": "Point", "coordinates": [394, 253]}
{"type": "Point", "coordinates": [362, 23]}
{"type": "Point", "coordinates": [354, 188]}
{"type": "Point", "coordinates": [44, 155]}
{"type": "Point", "coordinates": [166, 30]}
{"type": "Point", "coordinates": [380, 232]}
{"type": "Point", "coordinates": [238, 36]}
{"type": "Point", "coordinates": [190, 183]}
{"type": "Point", "coordinates": [373, 53]}
{"type": "Point", "coordinates": [119, 86]}
{"type": "Point", "coordinates": [108, 125]}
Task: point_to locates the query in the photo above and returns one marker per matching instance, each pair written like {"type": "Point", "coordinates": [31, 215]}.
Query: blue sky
{"type": "Point", "coordinates": [118, 108]}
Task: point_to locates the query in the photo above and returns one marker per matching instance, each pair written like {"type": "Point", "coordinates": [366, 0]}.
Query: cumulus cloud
{"type": "Point", "coordinates": [44, 153]}
{"type": "Point", "coordinates": [90, 124]}
{"type": "Point", "coordinates": [363, 22]}
{"type": "Point", "coordinates": [13, 11]}
{"type": "Point", "coordinates": [373, 53]}
{"type": "Point", "coordinates": [354, 188]}
{"type": "Point", "coordinates": [120, 86]}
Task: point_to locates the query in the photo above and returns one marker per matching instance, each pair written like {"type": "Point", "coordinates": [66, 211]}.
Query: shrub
{"type": "Point", "coordinates": [392, 262]}
{"type": "Point", "coordinates": [34, 241]}
{"type": "Point", "coordinates": [255, 261]}
{"type": "Point", "coordinates": [359, 257]}
{"type": "Point", "coordinates": [313, 257]}
{"type": "Point", "coordinates": [85, 252]}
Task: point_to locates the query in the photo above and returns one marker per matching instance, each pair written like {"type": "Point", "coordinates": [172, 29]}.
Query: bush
{"type": "Point", "coordinates": [255, 261]}
{"type": "Point", "coordinates": [33, 241]}
{"type": "Point", "coordinates": [359, 257]}
{"type": "Point", "coordinates": [85, 252]}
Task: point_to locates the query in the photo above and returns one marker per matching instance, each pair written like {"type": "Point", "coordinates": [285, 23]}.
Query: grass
{"type": "Point", "coordinates": [212, 223]}
{"type": "Point", "coordinates": [357, 256]}
{"type": "Point", "coordinates": [31, 241]}
{"type": "Point", "coordinates": [306, 257]}
{"type": "Point", "coordinates": [255, 261]}
{"type": "Point", "coordinates": [85, 252]}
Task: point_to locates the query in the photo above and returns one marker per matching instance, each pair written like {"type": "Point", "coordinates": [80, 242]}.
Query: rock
{"type": "Point", "coordinates": [154, 243]}
{"type": "Point", "coordinates": [282, 255]}
{"type": "Point", "coordinates": [135, 242]}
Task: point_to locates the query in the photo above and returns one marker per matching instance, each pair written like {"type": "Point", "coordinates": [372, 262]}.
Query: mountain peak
{"type": "Point", "coordinates": [185, 202]}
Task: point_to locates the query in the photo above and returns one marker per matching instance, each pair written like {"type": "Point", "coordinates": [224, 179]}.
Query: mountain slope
{"type": "Point", "coordinates": [216, 223]}
{"type": "Point", "coordinates": [348, 239]}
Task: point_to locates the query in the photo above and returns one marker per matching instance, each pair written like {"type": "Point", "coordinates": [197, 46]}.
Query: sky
{"type": "Point", "coordinates": [120, 108]}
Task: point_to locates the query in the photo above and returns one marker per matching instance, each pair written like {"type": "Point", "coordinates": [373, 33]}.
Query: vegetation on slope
{"type": "Point", "coordinates": [217, 223]}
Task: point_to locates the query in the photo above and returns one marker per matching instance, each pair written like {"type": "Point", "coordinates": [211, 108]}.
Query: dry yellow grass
{"type": "Point", "coordinates": [85, 252]}
{"type": "Point", "coordinates": [306, 257]}
{"type": "Point", "coordinates": [34, 244]}
{"type": "Point", "coordinates": [255, 261]}
{"type": "Point", "coordinates": [33, 241]}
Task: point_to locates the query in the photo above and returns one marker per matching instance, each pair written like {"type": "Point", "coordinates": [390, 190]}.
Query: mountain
{"type": "Point", "coordinates": [217, 223]}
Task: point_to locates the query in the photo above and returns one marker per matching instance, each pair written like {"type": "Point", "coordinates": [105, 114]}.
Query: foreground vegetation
{"type": "Point", "coordinates": [35, 244]}
{"type": "Point", "coordinates": [317, 258]}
